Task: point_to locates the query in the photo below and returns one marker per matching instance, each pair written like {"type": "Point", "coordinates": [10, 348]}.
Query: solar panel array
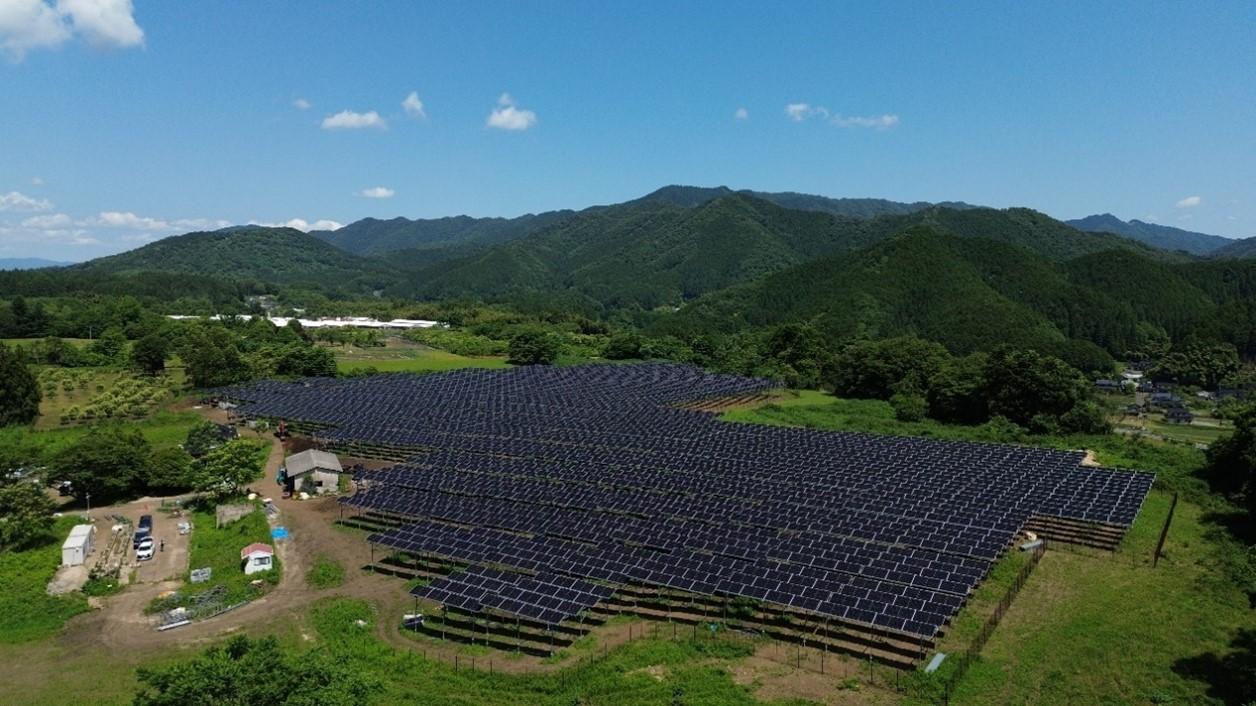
{"type": "Point", "coordinates": [592, 473]}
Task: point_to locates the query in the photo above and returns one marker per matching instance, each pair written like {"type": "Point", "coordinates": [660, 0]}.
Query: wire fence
{"type": "Point", "coordinates": [964, 661]}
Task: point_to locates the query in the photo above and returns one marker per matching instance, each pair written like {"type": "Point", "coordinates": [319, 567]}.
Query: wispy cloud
{"type": "Point", "coordinates": [506, 116]}
{"type": "Point", "coordinates": [302, 104]}
{"type": "Point", "coordinates": [17, 201]}
{"type": "Point", "coordinates": [377, 192]}
{"type": "Point", "coordinates": [1189, 202]}
{"type": "Point", "coordinates": [413, 105]}
{"type": "Point", "coordinates": [27, 25]}
{"type": "Point", "coordinates": [349, 120]}
{"type": "Point", "coordinates": [741, 114]}
{"type": "Point", "coordinates": [798, 112]}
{"type": "Point", "coordinates": [878, 122]}
{"type": "Point", "coordinates": [302, 225]}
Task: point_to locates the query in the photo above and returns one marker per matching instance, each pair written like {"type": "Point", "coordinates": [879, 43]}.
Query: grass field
{"type": "Point", "coordinates": [646, 672]}
{"type": "Point", "coordinates": [163, 430]}
{"type": "Point", "coordinates": [409, 359]}
{"type": "Point", "coordinates": [27, 612]}
{"type": "Point", "coordinates": [325, 573]}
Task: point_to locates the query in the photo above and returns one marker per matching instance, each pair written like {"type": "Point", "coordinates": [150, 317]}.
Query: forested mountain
{"type": "Point", "coordinates": [439, 239]}
{"type": "Point", "coordinates": [371, 236]}
{"type": "Point", "coordinates": [690, 196]}
{"type": "Point", "coordinates": [1157, 236]}
{"type": "Point", "coordinates": [971, 293]}
{"type": "Point", "coordinates": [276, 256]}
{"type": "Point", "coordinates": [1243, 248]}
{"type": "Point", "coordinates": [28, 263]}
{"type": "Point", "coordinates": [662, 250]}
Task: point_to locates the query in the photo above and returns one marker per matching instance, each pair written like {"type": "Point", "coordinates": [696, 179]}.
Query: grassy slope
{"type": "Point", "coordinates": [27, 613]}
{"type": "Point", "coordinates": [1086, 629]}
{"type": "Point", "coordinates": [413, 361]}
{"type": "Point", "coordinates": [620, 679]}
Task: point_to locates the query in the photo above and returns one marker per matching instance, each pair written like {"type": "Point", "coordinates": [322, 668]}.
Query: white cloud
{"type": "Point", "coordinates": [303, 225]}
{"type": "Point", "coordinates": [799, 112]}
{"type": "Point", "coordinates": [55, 220]}
{"type": "Point", "coordinates": [1189, 202]}
{"type": "Point", "coordinates": [302, 104]}
{"type": "Point", "coordinates": [880, 122]}
{"type": "Point", "coordinates": [508, 117]}
{"type": "Point", "coordinates": [26, 25]}
{"type": "Point", "coordinates": [36, 181]}
{"type": "Point", "coordinates": [121, 219]}
{"type": "Point", "coordinates": [104, 23]}
{"type": "Point", "coordinates": [413, 106]}
{"type": "Point", "coordinates": [17, 201]}
{"type": "Point", "coordinates": [349, 120]}
{"type": "Point", "coordinates": [741, 114]}
{"type": "Point", "coordinates": [377, 192]}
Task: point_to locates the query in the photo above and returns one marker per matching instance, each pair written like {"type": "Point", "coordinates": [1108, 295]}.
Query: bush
{"type": "Point", "coordinates": [326, 573]}
{"type": "Point", "coordinates": [908, 407]}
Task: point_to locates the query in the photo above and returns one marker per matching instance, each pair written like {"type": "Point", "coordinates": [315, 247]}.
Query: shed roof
{"type": "Point", "coordinates": [256, 547]}
{"type": "Point", "coordinates": [307, 461]}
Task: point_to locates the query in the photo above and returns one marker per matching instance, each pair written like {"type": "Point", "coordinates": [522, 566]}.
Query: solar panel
{"type": "Point", "coordinates": [579, 477]}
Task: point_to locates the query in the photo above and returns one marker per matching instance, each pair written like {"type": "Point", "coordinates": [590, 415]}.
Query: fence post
{"type": "Point", "coordinates": [1164, 532]}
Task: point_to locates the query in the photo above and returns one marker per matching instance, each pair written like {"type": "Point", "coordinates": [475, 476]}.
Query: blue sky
{"type": "Point", "coordinates": [121, 123]}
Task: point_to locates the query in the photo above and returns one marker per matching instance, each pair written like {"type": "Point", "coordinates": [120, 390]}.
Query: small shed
{"type": "Point", "coordinates": [257, 557]}
{"type": "Point", "coordinates": [78, 545]}
{"type": "Point", "coordinates": [322, 468]}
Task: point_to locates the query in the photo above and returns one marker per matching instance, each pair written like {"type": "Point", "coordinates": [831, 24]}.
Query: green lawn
{"type": "Point", "coordinates": [325, 573]}
{"type": "Point", "coordinates": [163, 430]}
{"type": "Point", "coordinates": [416, 360]}
{"type": "Point", "coordinates": [648, 672]}
{"type": "Point", "coordinates": [219, 549]}
{"type": "Point", "coordinates": [27, 612]}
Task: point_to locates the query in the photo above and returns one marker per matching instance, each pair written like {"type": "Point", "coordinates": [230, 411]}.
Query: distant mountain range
{"type": "Point", "coordinates": [28, 263]}
{"type": "Point", "coordinates": [687, 260]}
{"type": "Point", "coordinates": [1157, 236]}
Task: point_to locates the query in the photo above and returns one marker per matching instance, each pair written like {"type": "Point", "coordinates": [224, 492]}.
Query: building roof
{"type": "Point", "coordinates": [256, 547]}
{"type": "Point", "coordinates": [306, 461]}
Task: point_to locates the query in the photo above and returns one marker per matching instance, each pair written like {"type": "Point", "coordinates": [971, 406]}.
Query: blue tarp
{"type": "Point", "coordinates": [279, 533]}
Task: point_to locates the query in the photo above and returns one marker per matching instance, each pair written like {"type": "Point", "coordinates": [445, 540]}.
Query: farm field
{"type": "Point", "coordinates": [400, 356]}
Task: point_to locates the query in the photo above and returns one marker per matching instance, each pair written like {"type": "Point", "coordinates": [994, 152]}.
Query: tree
{"type": "Point", "coordinates": [211, 358]}
{"type": "Point", "coordinates": [301, 360]}
{"type": "Point", "coordinates": [148, 355]}
{"type": "Point", "coordinates": [957, 392]}
{"type": "Point", "coordinates": [801, 353]}
{"type": "Point", "coordinates": [533, 347]}
{"type": "Point", "coordinates": [1197, 363]}
{"type": "Point", "coordinates": [201, 438]}
{"type": "Point", "coordinates": [622, 346]}
{"type": "Point", "coordinates": [872, 369]}
{"type": "Point", "coordinates": [19, 390]}
{"type": "Point", "coordinates": [1022, 385]}
{"type": "Point", "coordinates": [110, 462]}
{"type": "Point", "coordinates": [1231, 462]}
{"type": "Point", "coordinates": [110, 344]}
{"type": "Point", "coordinates": [256, 672]}
{"type": "Point", "coordinates": [170, 469]}
{"type": "Point", "coordinates": [25, 514]}
{"type": "Point", "coordinates": [908, 406]}
{"type": "Point", "coordinates": [227, 468]}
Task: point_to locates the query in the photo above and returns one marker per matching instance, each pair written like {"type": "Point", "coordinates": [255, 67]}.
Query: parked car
{"type": "Point", "coordinates": [144, 551]}
{"type": "Point", "coordinates": [143, 530]}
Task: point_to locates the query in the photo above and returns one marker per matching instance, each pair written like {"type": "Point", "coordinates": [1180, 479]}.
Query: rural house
{"type": "Point", "coordinates": [320, 468]}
